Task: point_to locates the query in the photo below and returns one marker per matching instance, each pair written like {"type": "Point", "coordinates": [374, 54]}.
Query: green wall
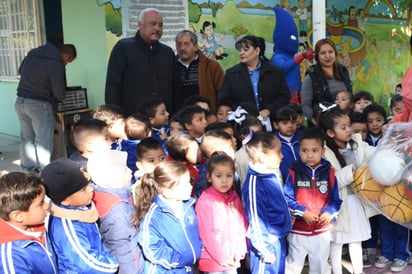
{"type": "Point", "coordinates": [83, 26]}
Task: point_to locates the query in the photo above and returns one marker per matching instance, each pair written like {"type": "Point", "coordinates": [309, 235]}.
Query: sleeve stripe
{"type": "Point", "coordinates": [83, 254]}
{"type": "Point", "coordinates": [7, 259]}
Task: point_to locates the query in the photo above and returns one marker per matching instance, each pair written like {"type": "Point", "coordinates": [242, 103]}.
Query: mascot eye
{"type": "Point", "coordinates": [293, 37]}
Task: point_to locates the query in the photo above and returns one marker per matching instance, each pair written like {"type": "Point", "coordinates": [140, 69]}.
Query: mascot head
{"type": "Point", "coordinates": [285, 35]}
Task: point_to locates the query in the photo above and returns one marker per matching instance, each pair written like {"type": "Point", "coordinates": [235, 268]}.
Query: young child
{"type": "Point", "coordinates": [24, 246]}
{"type": "Point", "coordinates": [266, 209]}
{"type": "Point", "coordinates": [184, 149]}
{"type": "Point", "coordinates": [361, 100]}
{"type": "Point", "coordinates": [344, 99]}
{"type": "Point", "coordinates": [222, 224]}
{"type": "Point", "coordinates": [222, 111]}
{"type": "Point", "coordinates": [346, 152]}
{"type": "Point", "coordinates": [113, 116]}
{"type": "Point", "coordinates": [88, 136]}
{"type": "Point", "coordinates": [375, 119]}
{"type": "Point", "coordinates": [213, 140]}
{"type": "Point", "coordinates": [72, 225]}
{"type": "Point", "coordinates": [149, 155]}
{"type": "Point", "coordinates": [175, 127]}
{"type": "Point", "coordinates": [137, 127]}
{"type": "Point", "coordinates": [112, 197]}
{"type": "Point", "coordinates": [155, 110]}
{"type": "Point", "coordinates": [285, 124]}
{"type": "Point", "coordinates": [204, 103]}
{"type": "Point", "coordinates": [169, 234]}
{"type": "Point", "coordinates": [300, 119]}
{"type": "Point", "coordinates": [227, 127]}
{"type": "Point", "coordinates": [359, 125]}
{"type": "Point", "coordinates": [194, 121]}
{"type": "Point", "coordinates": [395, 106]}
{"type": "Point", "coordinates": [312, 194]}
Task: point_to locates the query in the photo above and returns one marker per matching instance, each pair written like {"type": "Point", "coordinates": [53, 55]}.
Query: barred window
{"type": "Point", "coordinates": [19, 32]}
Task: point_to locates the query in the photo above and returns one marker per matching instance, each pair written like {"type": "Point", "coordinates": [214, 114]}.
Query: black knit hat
{"type": "Point", "coordinates": [62, 178]}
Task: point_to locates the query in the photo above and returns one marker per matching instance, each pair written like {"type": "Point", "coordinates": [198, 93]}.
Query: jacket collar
{"type": "Point", "coordinates": [165, 207]}
{"type": "Point", "coordinates": [221, 197]}
{"type": "Point", "coordinates": [10, 234]}
{"type": "Point", "coordinates": [148, 48]}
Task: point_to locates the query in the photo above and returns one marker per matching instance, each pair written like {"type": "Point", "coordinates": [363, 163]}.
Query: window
{"type": "Point", "coordinates": [19, 32]}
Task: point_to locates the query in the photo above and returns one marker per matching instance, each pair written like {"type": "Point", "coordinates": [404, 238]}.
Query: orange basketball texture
{"type": "Point", "coordinates": [395, 204]}
{"type": "Point", "coordinates": [365, 186]}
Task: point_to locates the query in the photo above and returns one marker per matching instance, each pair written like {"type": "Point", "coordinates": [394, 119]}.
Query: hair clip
{"type": "Point", "coordinates": [248, 137]}
{"type": "Point", "coordinates": [325, 108]}
{"type": "Point", "coordinates": [238, 115]}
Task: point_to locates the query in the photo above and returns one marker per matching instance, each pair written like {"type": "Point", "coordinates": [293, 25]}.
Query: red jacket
{"type": "Point", "coordinates": [222, 229]}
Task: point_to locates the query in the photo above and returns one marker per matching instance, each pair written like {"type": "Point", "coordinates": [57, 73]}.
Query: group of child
{"type": "Point", "coordinates": [150, 194]}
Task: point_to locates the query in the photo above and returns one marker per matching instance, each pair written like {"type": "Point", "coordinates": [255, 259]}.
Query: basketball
{"type": "Point", "coordinates": [365, 186]}
{"type": "Point", "coordinates": [386, 166]}
{"type": "Point", "coordinates": [395, 205]}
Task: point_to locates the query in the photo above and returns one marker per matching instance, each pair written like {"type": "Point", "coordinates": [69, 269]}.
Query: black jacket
{"type": "Point", "coordinates": [273, 91]}
{"type": "Point", "coordinates": [137, 70]}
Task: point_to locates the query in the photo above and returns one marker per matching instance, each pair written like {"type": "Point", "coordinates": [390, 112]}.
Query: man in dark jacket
{"type": "Point", "coordinates": [42, 85]}
{"type": "Point", "coordinates": [141, 67]}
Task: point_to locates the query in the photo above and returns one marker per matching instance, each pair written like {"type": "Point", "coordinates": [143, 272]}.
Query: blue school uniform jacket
{"type": "Point", "coordinates": [266, 211]}
{"type": "Point", "coordinates": [76, 240]}
{"type": "Point", "coordinates": [170, 244]}
{"type": "Point", "coordinates": [21, 253]}
{"type": "Point", "coordinates": [290, 152]}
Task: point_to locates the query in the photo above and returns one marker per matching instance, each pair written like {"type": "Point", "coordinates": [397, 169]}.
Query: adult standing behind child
{"type": "Point", "coordinates": [254, 79]}
{"type": "Point", "coordinates": [73, 230]}
{"type": "Point", "coordinates": [222, 224]}
{"type": "Point", "coordinates": [141, 67]}
{"type": "Point", "coordinates": [312, 194]}
{"type": "Point", "coordinates": [169, 234]}
{"type": "Point", "coordinates": [324, 79]}
{"type": "Point", "coordinates": [266, 209]}
{"type": "Point", "coordinates": [24, 243]}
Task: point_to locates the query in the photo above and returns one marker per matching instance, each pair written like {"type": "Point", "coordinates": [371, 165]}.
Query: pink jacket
{"type": "Point", "coordinates": [406, 114]}
{"type": "Point", "coordinates": [222, 229]}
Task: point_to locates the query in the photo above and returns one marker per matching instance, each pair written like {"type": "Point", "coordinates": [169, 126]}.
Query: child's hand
{"type": "Point", "coordinates": [270, 259]}
{"type": "Point", "coordinates": [309, 217]}
{"type": "Point", "coordinates": [163, 135]}
{"type": "Point", "coordinates": [325, 218]}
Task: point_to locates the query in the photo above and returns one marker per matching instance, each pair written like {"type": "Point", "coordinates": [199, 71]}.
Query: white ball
{"type": "Point", "coordinates": [386, 166]}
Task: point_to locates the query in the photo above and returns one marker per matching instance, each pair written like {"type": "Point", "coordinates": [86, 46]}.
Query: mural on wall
{"type": "Point", "coordinates": [113, 16]}
{"type": "Point", "coordinates": [372, 36]}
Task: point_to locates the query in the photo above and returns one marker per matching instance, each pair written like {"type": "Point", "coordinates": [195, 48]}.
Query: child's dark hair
{"type": "Point", "coordinates": [194, 99]}
{"type": "Point", "coordinates": [297, 108]}
{"type": "Point", "coordinates": [395, 99]}
{"type": "Point", "coordinates": [17, 192]}
{"type": "Point", "coordinates": [351, 96]}
{"type": "Point", "coordinates": [357, 117]}
{"type": "Point", "coordinates": [285, 113]}
{"type": "Point", "coordinates": [374, 108]}
{"type": "Point", "coordinates": [218, 126]}
{"type": "Point", "coordinates": [327, 122]}
{"type": "Point", "coordinates": [147, 144]}
{"type": "Point", "coordinates": [260, 141]}
{"type": "Point", "coordinates": [178, 146]}
{"type": "Point", "coordinates": [108, 113]}
{"type": "Point", "coordinates": [165, 175]}
{"type": "Point", "coordinates": [210, 137]}
{"type": "Point", "coordinates": [218, 158]}
{"type": "Point", "coordinates": [362, 94]}
{"type": "Point", "coordinates": [148, 106]}
{"type": "Point", "coordinates": [137, 126]}
{"type": "Point", "coordinates": [186, 114]}
{"type": "Point", "coordinates": [84, 128]}
{"type": "Point", "coordinates": [311, 133]}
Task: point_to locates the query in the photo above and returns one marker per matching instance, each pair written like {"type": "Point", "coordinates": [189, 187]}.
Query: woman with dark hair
{"type": "Point", "coordinates": [324, 79]}
{"type": "Point", "coordinates": [254, 80]}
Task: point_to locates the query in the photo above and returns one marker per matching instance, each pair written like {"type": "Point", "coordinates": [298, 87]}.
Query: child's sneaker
{"type": "Point", "coordinates": [398, 265]}
{"type": "Point", "coordinates": [382, 262]}
{"type": "Point", "coordinates": [365, 258]}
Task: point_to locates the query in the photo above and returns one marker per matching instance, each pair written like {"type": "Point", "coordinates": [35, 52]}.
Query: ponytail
{"type": "Point", "coordinates": [144, 197]}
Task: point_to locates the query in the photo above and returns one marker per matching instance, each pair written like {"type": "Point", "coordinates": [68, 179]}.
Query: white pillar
{"type": "Point", "coordinates": [318, 20]}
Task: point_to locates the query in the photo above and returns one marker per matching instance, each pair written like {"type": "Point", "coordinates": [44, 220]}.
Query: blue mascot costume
{"type": "Point", "coordinates": [286, 43]}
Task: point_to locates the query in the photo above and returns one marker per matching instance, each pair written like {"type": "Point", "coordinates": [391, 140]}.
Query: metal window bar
{"type": "Point", "coordinates": [19, 32]}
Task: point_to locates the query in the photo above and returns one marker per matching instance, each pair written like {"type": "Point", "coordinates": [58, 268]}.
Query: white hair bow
{"type": "Point", "coordinates": [325, 108]}
{"type": "Point", "coordinates": [238, 115]}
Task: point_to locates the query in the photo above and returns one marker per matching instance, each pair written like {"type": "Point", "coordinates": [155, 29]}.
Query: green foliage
{"type": "Point", "coordinates": [113, 19]}
{"type": "Point", "coordinates": [405, 4]}
{"type": "Point", "coordinates": [214, 7]}
{"type": "Point", "coordinates": [194, 12]}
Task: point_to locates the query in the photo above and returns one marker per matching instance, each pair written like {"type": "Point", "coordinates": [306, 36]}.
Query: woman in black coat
{"type": "Point", "coordinates": [254, 80]}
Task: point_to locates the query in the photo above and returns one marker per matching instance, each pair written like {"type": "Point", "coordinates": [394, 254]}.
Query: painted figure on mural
{"type": "Point", "coordinates": [352, 21]}
{"type": "Point", "coordinates": [302, 13]}
{"type": "Point", "coordinates": [208, 41]}
{"type": "Point", "coordinates": [363, 18]}
{"type": "Point", "coordinates": [344, 57]}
